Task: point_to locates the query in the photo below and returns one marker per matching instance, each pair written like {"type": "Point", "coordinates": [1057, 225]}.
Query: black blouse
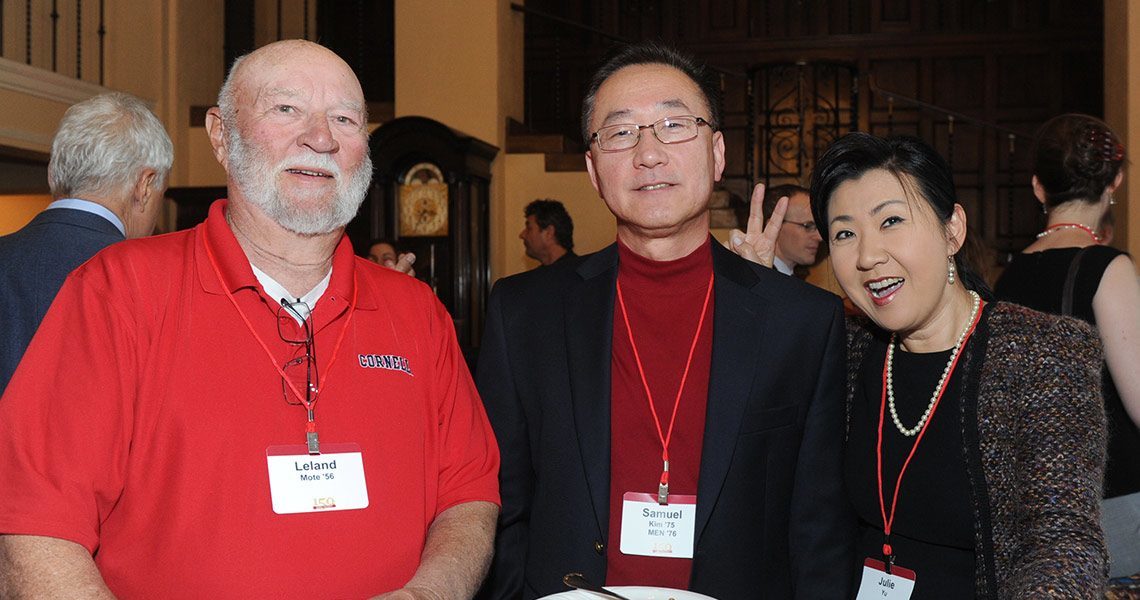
{"type": "Point", "coordinates": [933, 529]}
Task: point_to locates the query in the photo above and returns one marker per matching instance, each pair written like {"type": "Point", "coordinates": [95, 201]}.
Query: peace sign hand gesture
{"type": "Point", "coordinates": [758, 244]}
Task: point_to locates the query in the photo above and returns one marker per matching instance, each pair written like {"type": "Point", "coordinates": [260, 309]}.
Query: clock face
{"type": "Point", "coordinates": [423, 211]}
{"type": "Point", "coordinates": [423, 202]}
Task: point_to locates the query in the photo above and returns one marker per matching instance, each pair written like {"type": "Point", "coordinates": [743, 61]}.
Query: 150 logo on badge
{"type": "Point", "coordinates": [323, 503]}
{"type": "Point", "coordinates": [300, 482]}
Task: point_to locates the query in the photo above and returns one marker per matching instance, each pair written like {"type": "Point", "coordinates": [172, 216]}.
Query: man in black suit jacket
{"type": "Point", "coordinates": [107, 174]}
{"type": "Point", "coordinates": [770, 518]}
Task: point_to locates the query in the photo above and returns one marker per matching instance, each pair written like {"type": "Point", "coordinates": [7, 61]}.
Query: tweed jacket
{"type": "Point", "coordinates": [1034, 430]}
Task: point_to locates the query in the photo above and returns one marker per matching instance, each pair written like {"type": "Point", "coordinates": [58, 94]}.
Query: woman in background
{"type": "Point", "coordinates": [1078, 164]}
{"type": "Point", "coordinates": [975, 445]}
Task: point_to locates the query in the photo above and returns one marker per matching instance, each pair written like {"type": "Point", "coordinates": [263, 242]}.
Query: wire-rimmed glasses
{"type": "Point", "coordinates": [300, 371]}
{"type": "Point", "coordinates": [809, 226]}
{"type": "Point", "coordinates": [670, 130]}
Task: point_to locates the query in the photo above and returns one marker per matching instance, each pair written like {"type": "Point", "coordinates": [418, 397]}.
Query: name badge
{"type": "Point", "coordinates": [878, 585]}
{"type": "Point", "coordinates": [300, 482]}
{"type": "Point", "coordinates": [652, 529]}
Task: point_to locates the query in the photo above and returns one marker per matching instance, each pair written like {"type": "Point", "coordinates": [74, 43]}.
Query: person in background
{"type": "Point", "coordinates": [798, 243]}
{"type": "Point", "coordinates": [975, 446]}
{"type": "Point", "coordinates": [548, 235]}
{"type": "Point", "coordinates": [383, 252]}
{"type": "Point", "coordinates": [1078, 162]}
{"type": "Point", "coordinates": [107, 173]}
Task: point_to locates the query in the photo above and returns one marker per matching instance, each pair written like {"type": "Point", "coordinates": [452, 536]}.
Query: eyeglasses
{"type": "Point", "coordinates": [670, 130]}
{"type": "Point", "coordinates": [301, 370]}
{"type": "Point", "coordinates": [809, 226]}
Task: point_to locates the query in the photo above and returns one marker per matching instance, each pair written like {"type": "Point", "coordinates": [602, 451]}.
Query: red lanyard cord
{"type": "Point", "coordinates": [663, 486]}
{"type": "Point", "coordinates": [888, 552]}
{"type": "Point", "coordinates": [307, 400]}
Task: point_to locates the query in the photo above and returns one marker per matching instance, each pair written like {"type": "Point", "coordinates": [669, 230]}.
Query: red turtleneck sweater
{"type": "Point", "coordinates": [663, 301]}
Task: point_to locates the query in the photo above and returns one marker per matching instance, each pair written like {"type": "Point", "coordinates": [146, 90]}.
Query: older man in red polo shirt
{"type": "Point", "coordinates": [246, 409]}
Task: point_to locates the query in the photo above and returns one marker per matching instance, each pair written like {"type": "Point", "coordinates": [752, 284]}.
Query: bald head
{"type": "Point", "coordinates": [244, 73]}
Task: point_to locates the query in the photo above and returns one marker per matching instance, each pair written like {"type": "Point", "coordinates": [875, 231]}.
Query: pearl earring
{"type": "Point", "coordinates": [950, 270]}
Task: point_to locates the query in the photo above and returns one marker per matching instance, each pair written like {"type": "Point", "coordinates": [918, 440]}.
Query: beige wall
{"type": "Point", "coordinates": [137, 50]}
{"type": "Point", "coordinates": [34, 101]}
{"type": "Point", "coordinates": [471, 82]}
{"type": "Point", "coordinates": [16, 211]}
{"type": "Point", "coordinates": [448, 65]}
{"type": "Point", "coordinates": [1122, 110]}
{"type": "Point", "coordinates": [168, 53]}
{"type": "Point", "coordinates": [195, 65]}
{"type": "Point", "coordinates": [526, 180]}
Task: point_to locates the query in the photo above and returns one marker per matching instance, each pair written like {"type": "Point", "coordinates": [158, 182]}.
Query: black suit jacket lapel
{"type": "Point", "coordinates": [589, 336]}
{"type": "Point", "coordinates": [739, 321]}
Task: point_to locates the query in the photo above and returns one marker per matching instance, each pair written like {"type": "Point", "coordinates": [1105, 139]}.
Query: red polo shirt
{"type": "Point", "coordinates": [138, 422]}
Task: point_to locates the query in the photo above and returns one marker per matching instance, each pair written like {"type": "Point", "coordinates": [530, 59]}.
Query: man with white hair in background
{"type": "Point", "coordinates": [107, 174]}
{"type": "Point", "coordinates": [188, 454]}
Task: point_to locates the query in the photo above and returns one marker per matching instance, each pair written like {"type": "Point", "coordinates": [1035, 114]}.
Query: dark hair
{"type": "Point", "coordinates": [367, 249]}
{"type": "Point", "coordinates": [773, 194]}
{"type": "Point", "coordinates": [551, 212]}
{"type": "Point", "coordinates": [1076, 157]}
{"type": "Point", "coordinates": [654, 53]}
{"type": "Point", "coordinates": [917, 166]}
{"type": "Point", "coordinates": [383, 240]}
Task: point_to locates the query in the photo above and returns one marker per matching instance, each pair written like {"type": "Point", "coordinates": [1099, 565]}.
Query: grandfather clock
{"type": "Point", "coordinates": [429, 192]}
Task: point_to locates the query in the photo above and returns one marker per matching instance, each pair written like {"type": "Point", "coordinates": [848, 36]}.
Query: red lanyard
{"type": "Point", "coordinates": [310, 400]}
{"type": "Point", "coordinates": [663, 486]}
{"type": "Point", "coordinates": [888, 552]}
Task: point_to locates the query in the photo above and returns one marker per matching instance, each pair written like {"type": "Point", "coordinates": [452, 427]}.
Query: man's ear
{"type": "Point", "coordinates": [216, 128]}
{"type": "Point", "coordinates": [142, 192]}
{"type": "Point", "coordinates": [593, 174]}
{"type": "Point", "coordinates": [718, 155]}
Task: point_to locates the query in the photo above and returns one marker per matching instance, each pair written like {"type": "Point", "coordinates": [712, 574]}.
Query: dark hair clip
{"type": "Point", "coordinates": [1110, 149]}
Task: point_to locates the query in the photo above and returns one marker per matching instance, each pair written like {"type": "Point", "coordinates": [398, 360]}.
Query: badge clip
{"type": "Point", "coordinates": [313, 442]}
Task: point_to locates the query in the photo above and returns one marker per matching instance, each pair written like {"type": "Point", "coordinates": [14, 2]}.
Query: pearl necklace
{"type": "Point", "coordinates": [941, 381]}
{"type": "Point", "coordinates": [1084, 228]}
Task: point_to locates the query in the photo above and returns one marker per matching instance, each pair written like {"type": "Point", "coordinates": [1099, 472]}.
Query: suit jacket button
{"type": "Point", "coordinates": [599, 547]}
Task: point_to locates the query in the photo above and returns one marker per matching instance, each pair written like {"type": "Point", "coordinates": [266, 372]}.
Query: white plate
{"type": "Point", "coordinates": [633, 592]}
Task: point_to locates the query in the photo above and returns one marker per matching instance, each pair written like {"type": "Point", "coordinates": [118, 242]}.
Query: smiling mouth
{"type": "Point", "coordinates": [309, 173]}
{"type": "Point", "coordinates": [653, 186]}
{"type": "Point", "coordinates": [884, 287]}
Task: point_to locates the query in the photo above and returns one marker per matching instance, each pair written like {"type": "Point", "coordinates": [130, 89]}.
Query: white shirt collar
{"type": "Point", "coordinates": [278, 292]}
{"type": "Point", "coordinates": [90, 207]}
{"type": "Point", "coordinates": [781, 266]}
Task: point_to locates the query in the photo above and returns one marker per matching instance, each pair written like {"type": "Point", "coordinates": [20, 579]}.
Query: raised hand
{"type": "Point", "coordinates": [403, 264]}
{"type": "Point", "coordinates": [758, 243]}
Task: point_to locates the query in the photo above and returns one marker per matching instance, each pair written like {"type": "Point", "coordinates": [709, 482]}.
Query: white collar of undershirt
{"type": "Point", "coordinates": [278, 292]}
{"type": "Point", "coordinates": [781, 266]}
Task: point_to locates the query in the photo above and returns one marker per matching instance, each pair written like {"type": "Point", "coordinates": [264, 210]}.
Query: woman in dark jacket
{"type": "Point", "coordinates": [975, 440]}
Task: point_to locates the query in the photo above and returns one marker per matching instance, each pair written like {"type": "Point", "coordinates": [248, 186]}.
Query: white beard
{"type": "Point", "coordinates": [257, 180]}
